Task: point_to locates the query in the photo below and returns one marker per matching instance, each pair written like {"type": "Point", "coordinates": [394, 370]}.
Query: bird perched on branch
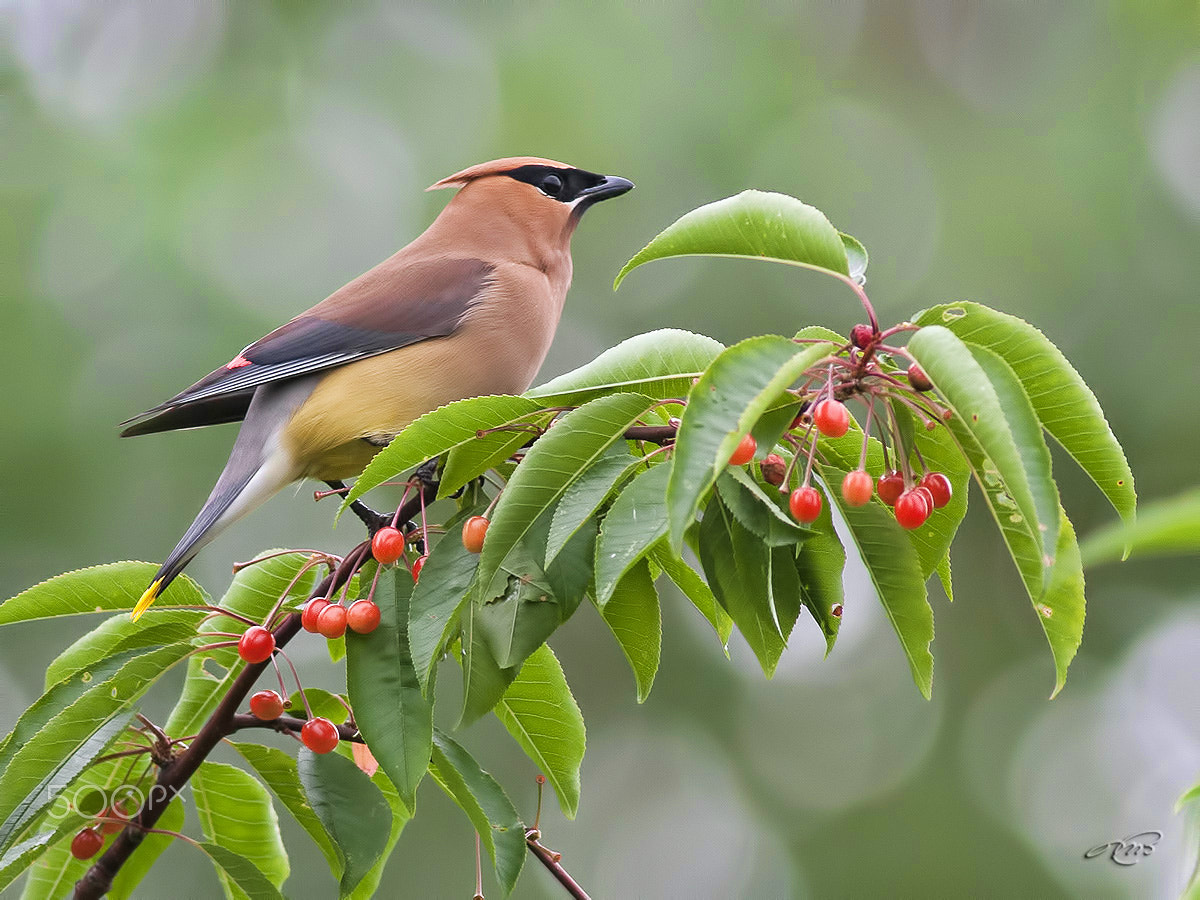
{"type": "Point", "coordinates": [468, 308]}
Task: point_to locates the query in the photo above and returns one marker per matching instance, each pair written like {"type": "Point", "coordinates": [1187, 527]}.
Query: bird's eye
{"type": "Point", "coordinates": [551, 185]}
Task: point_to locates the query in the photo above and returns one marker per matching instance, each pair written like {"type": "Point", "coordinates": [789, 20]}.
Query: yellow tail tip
{"type": "Point", "coordinates": [149, 597]}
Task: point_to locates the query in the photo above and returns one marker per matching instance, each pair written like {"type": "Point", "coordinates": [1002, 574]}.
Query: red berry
{"type": "Point", "coordinates": [861, 336]}
{"type": "Point", "coordinates": [912, 509]}
{"type": "Point", "coordinates": [417, 567]}
{"type": "Point", "coordinates": [319, 735]}
{"type": "Point", "coordinates": [927, 494]}
{"type": "Point", "coordinates": [256, 644]}
{"type": "Point", "coordinates": [805, 504]}
{"type": "Point", "coordinates": [857, 487]}
{"type": "Point", "coordinates": [832, 418]}
{"type": "Point", "coordinates": [745, 451]}
{"type": "Point", "coordinates": [388, 545]}
{"type": "Point", "coordinates": [890, 487]}
{"type": "Point", "coordinates": [87, 843]}
{"type": "Point", "coordinates": [266, 705]}
{"type": "Point", "coordinates": [939, 486]}
{"type": "Point", "coordinates": [363, 616]}
{"type": "Point", "coordinates": [114, 820]}
{"type": "Point", "coordinates": [474, 531]}
{"type": "Point", "coordinates": [773, 468]}
{"type": "Point", "coordinates": [332, 621]}
{"type": "Point", "coordinates": [918, 379]}
{"type": "Point", "coordinates": [312, 609]}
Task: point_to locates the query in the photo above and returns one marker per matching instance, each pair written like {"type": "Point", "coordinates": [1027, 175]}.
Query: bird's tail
{"type": "Point", "coordinates": [258, 468]}
{"type": "Point", "coordinates": [232, 498]}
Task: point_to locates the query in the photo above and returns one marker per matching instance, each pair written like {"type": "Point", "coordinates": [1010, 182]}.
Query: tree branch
{"type": "Point", "coordinates": [97, 881]}
{"type": "Point", "coordinates": [288, 725]}
{"type": "Point", "coordinates": [550, 860]}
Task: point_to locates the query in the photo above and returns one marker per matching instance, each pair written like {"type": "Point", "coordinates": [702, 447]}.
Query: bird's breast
{"type": "Point", "coordinates": [497, 349]}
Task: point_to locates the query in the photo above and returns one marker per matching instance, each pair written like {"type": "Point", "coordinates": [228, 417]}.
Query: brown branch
{"type": "Point", "coordinates": [288, 725]}
{"type": "Point", "coordinates": [655, 434]}
{"type": "Point", "coordinates": [97, 881]}
{"type": "Point", "coordinates": [226, 720]}
{"type": "Point", "coordinates": [550, 860]}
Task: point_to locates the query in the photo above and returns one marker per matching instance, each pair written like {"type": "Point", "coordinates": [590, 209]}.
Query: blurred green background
{"type": "Point", "coordinates": [180, 177]}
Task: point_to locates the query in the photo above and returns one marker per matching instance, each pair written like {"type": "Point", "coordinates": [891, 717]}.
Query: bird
{"type": "Point", "coordinates": [468, 308]}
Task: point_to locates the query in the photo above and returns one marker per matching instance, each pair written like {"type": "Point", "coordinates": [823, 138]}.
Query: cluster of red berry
{"type": "Point", "coordinates": [387, 546]}
{"type": "Point", "coordinates": [318, 734]}
{"type": "Point", "coordinates": [88, 842]}
{"type": "Point", "coordinates": [913, 501]}
{"type": "Point", "coordinates": [330, 619]}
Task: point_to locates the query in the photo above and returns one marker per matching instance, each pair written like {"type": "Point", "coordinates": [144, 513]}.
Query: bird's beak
{"type": "Point", "coordinates": [611, 186]}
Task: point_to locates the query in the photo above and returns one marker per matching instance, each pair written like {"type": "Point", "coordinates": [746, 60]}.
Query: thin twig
{"type": "Point", "coordinates": [550, 860]}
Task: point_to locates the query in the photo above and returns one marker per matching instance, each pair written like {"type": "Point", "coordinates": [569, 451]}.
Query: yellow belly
{"type": "Point", "coordinates": [377, 397]}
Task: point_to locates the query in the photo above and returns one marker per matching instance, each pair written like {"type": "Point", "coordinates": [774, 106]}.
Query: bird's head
{"type": "Point", "coordinates": [544, 197]}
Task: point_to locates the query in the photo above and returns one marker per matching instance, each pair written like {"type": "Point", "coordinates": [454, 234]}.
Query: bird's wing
{"type": "Point", "coordinates": [390, 307]}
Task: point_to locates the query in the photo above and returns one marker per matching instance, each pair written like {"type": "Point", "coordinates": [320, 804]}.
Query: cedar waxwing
{"type": "Point", "coordinates": [468, 308]}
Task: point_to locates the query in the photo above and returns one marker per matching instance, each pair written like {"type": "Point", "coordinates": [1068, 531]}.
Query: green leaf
{"type": "Point", "coordinates": [978, 408]}
{"type": "Point", "coordinates": [944, 576]}
{"type": "Point", "coordinates": [442, 588]}
{"type": "Point", "coordinates": [235, 869]}
{"type": "Point", "coordinates": [856, 258]}
{"type": "Point", "coordinates": [819, 564]}
{"type": "Point", "coordinates": [471, 459]}
{"type": "Point", "coordinates": [1168, 527]}
{"type": "Point", "coordinates": [367, 888]}
{"type": "Point", "coordinates": [75, 727]}
{"type": "Point", "coordinates": [55, 870]}
{"type": "Point", "coordinates": [741, 384]}
{"type": "Point", "coordinates": [279, 772]}
{"type": "Point", "coordinates": [393, 715]}
{"type": "Point", "coordinates": [520, 609]}
{"type": "Point", "coordinates": [235, 813]}
{"type": "Point", "coordinates": [636, 521]}
{"type": "Point", "coordinates": [255, 590]}
{"type": "Point", "coordinates": [540, 713]}
{"type": "Point", "coordinates": [758, 225]}
{"type": "Point", "coordinates": [57, 698]}
{"type": "Point", "coordinates": [352, 809]}
{"type": "Point", "coordinates": [575, 443]}
{"type": "Point", "coordinates": [484, 680]}
{"type": "Point", "coordinates": [758, 511]}
{"type": "Point", "coordinates": [587, 493]}
{"type": "Point", "coordinates": [895, 572]}
{"type": "Point", "coordinates": [114, 587]}
{"type": "Point", "coordinates": [1035, 455]}
{"type": "Point", "coordinates": [147, 853]}
{"type": "Point", "coordinates": [438, 432]}
{"type": "Point", "coordinates": [118, 634]}
{"type": "Point", "coordinates": [659, 364]}
{"type": "Point", "coordinates": [486, 805]}
{"type": "Point", "coordinates": [1060, 609]}
{"type": "Point", "coordinates": [751, 582]}
{"type": "Point", "coordinates": [323, 703]}
{"type": "Point", "coordinates": [1065, 405]}
{"type": "Point", "coordinates": [61, 777]}
{"type": "Point", "coordinates": [692, 586]}
{"type": "Point", "coordinates": [20, 856]}
{"type": "Point", "coordinates": [632, 614]}
{"type": "Point", "coordinates": [1016, 529]}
